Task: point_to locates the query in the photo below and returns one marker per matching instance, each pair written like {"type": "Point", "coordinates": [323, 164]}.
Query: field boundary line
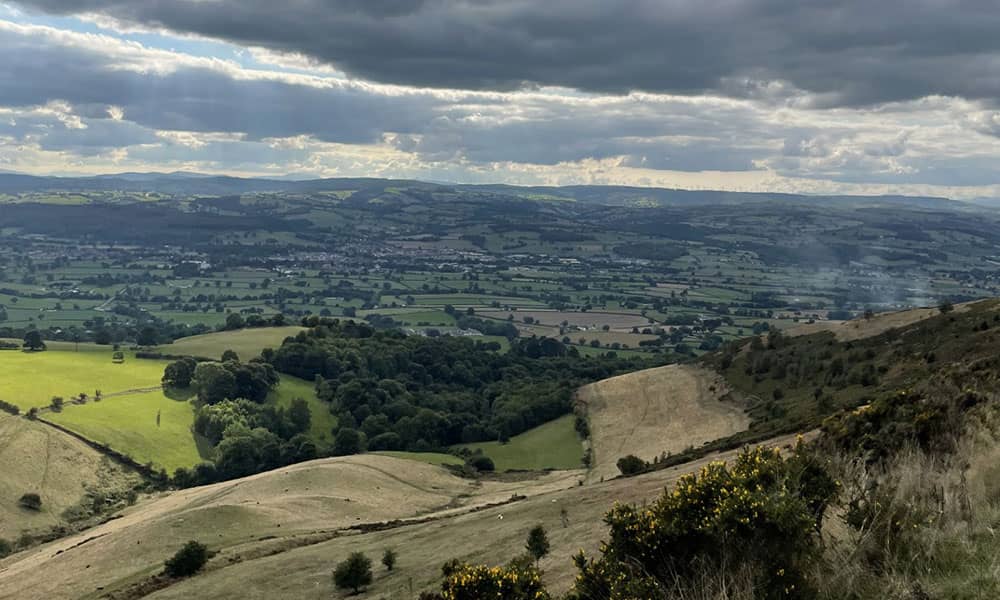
{"type": "Point", "coordinates": [119, 457]}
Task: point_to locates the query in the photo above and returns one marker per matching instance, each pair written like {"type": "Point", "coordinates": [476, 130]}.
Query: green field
{"type": "Point", "coordinates": [553, 445]}
{"type": "Point", "coordinates": [128, 424]}
{"type": "Point", "coordinates": [247, 343]}
{"type": "Point", "coordinates": [31, 379]}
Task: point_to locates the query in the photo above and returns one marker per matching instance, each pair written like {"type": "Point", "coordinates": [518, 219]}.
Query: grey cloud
{"type": "Point", "coordinates": [88, 137]}
{"type": "Point", "coordinates": [37, 69]}
{"type": "Point", "coordinates": [843, 52]}
{"type": "Point", "coordinates": [538, 129]}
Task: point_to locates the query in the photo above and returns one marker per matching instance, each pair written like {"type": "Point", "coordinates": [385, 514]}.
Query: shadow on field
{"type": "Point", "coordinates": [205, 448]}
{"type": "Point", "coordinates": [180, 394]}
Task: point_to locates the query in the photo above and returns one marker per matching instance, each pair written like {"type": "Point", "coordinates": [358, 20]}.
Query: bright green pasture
{"type": "Point", "coordinates": [128, 425]}
{"type": "Point", "coordinates": [554, 445]}
{"type": "Point", "coordinates": [30, 379]}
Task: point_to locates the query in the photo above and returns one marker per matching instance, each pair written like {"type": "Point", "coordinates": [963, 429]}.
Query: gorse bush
{"type": "Point", "coordinates": [764, 511]}
{"type": "Point", "coordinates": [515, 581]}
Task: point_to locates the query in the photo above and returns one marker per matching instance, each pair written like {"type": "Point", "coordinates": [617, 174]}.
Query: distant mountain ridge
{"type": "Point", "coordinates": [188, 183]}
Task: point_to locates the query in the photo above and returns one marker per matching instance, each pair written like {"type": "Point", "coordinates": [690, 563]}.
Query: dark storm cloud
{"type": "Point", "coordinates": [843, 52]}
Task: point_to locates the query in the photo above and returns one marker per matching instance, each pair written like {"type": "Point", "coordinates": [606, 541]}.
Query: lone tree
{"type": "Point", "coordinates": [389, 558]}
{"type": "Point", "coordinates": [33, 340]}
{"type": "Point", "coordinates": [188, 560]}
{"type": "Point", "coordinates": [30, 501]}
{"type": "Point", "coordinates": [354, 573]}
{"type": "Point", "coordinates": [538, 543]}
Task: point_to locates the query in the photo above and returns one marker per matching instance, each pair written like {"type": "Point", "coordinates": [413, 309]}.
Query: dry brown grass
{"type": "Point", "coordinates": [949, 508]}
{"type": "Point", "coordinates": [37, 458]}
{"type": "Point", "coordinates": [307, 499]}
{"type": "Point", "coordinates": [861, 328]}
{"type": "Point", "coordinates": [647, 413]}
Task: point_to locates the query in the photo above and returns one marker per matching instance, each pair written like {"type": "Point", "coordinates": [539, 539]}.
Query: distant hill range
{"type": "Point", "coordinates": [185, 183]}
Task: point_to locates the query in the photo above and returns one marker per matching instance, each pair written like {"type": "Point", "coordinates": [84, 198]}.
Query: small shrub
{"type": "Point", "coordinates": [30, 501]}
{"type": "Point", "coordinates": [57, 403]}
{"type": "Point", "coordinates": [189, 560]}
{"type": "Point", "coordinates": [354, 573]}
{"type": "Point", "coordinates": [631, 465]}
{"type": "Point", "coordinates": [389, 558]}
{"type": "Point", "coordinates": [481, 463]}
{"type": "Point", "coordinates": [6, 547]}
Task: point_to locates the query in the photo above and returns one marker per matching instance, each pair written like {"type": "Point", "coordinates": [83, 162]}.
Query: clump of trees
{"type": "Point", "coordinates": [249, 435]}
{"type": "Point", "coordinates": [215, 382]}
{"type": "Point", "coordinates": [250, 438]}
{"type": "Point", "coordinates": [179, 373]}
{"type": "Point", "coordinates": [188, 560]}
{"type": "Point", "coordinates": [419, 393]}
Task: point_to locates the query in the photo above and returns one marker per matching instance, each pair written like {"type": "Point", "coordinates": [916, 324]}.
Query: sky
{"type": "Point", "coordinates": [805, 96]}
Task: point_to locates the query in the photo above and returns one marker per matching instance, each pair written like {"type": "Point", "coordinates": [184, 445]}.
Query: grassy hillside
{"type": "Point", "coordinates": [59, 468]}
{"type": "Point", "coordinates": [793, 382]}
{"type": "Point", "coordinates": [247, 343]}
{"type": "Point", "coordinates": [656, 411]}
{"type": "Point", "coordinates": [31, 379]}
{"type": "Point", "coordinates": [554, 445]}
{"type": "Point", "coordinates": [276, 512]}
